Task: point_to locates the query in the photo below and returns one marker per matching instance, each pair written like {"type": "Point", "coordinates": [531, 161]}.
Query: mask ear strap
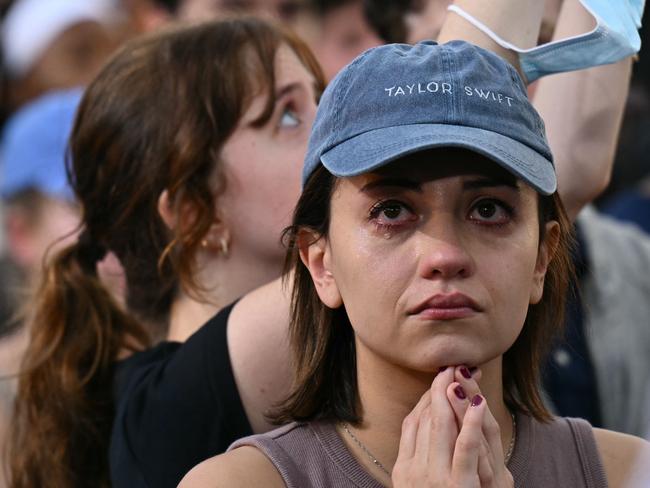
{"type": "Point", "coordinates": [483, 28]}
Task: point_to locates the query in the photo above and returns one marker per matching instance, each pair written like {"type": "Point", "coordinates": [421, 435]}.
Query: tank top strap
{"type": "Point", "coordinates": [269, 444]}
{"type": "Point", "coordinates": [562, 452]}
{"type": "Point", "coordinates": [590, 461]}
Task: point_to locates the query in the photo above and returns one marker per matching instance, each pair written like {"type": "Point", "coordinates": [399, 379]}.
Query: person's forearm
{"type": "Point", "coordinates": [583, 112]}
{"type": "Point", "coordinates": [516, 21]}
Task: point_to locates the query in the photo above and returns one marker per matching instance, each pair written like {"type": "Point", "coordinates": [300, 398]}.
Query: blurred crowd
{"type": "Point", "coordinates": [52, 49]}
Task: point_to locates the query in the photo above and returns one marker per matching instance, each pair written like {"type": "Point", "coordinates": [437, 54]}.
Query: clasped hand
{"type": "Point", "coordinates": [451, 439]}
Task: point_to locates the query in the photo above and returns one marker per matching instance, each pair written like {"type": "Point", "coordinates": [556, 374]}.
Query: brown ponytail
{"type": "Point", "coordinates": [63, 417]}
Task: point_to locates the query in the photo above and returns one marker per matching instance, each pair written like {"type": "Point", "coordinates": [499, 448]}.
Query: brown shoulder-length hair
{"type": "Point", "coordinates": [155, 119]}
{"type": "Point", "coordinates": [322, 339]}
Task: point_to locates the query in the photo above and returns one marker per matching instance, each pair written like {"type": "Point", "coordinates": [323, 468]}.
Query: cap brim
{"type": "Point", "coordinates": [371, 150]}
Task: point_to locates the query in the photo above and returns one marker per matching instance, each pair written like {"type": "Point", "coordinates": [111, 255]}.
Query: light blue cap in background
{"type": "Point", "coordinates": [34, 145]}
{"type": "Point", "coordinates": [399, 99]}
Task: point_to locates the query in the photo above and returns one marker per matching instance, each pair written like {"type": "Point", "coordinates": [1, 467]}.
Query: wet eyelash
{"type": "Point", "coordinates": [377, 208]}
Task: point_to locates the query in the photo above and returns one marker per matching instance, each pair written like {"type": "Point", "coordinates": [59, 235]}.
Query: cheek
{"type": "Point", "coordinates": [508, 279]}
{"type": "Point", "coordinates": [371, 276]}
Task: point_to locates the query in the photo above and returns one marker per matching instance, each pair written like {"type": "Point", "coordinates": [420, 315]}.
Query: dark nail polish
{"type": "Point", "coordinates": [442, 369]}
{"type": "Point", "coordinates": [465, 372]}
{"type": "Point", "coordinates": [473, 369]}
{"type": "Point", "coordinates": [476, 401]}
{"type": "Point", "coordinates": [460, 392]}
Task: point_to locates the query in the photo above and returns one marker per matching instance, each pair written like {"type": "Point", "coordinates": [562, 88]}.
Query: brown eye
{"type": "Point", "coordinates": [487, 210]}
{"type": "Point", "coordinates": [392, 212]}
{"type": "Point", "coordinates": [490, 211]}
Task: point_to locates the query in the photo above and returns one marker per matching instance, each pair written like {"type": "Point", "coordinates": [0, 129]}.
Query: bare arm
{"type": "Point", "coordinates": [242, 467]}
{"type": "Point", "coordinates": [583, 111]}
{"type": "Point", "coordinates": [625, 458]}
{"type": "Point", "coordinates": [259, 350]}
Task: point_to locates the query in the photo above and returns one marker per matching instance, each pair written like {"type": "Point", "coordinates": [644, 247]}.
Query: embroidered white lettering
{"type": "Point", "coordinates": [468, 91]}
{"type": "Point", "coordinates": [509, 100]}
{"type": "Point", "coordinates": [446, 88]}
{"type": "Point", "coordinates": [399, 91]}
{"type": "Point", "coordinates": [390, 91]}
{"type": "Point", "coordinates": [410, 87]}
{"type": "Point", "coordinates": [434, 84]}
{"type": "Point", "coordinates": [420, 89]}
{"type": "Point", "coordinates": [482, 94]}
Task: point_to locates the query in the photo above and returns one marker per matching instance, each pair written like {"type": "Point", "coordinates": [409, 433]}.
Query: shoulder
{"type": "Point", "coordinates": [241, 467]}
{"type": "Point", "coordinates": [259, 351]}
{"type": "Point", "coordinates": [624, 458]}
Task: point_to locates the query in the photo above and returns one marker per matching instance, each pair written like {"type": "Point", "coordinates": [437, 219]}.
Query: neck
{"type": "Point", "coordinates": [388, 395]}
{"type": "Point", "coordinates": [222, 281]}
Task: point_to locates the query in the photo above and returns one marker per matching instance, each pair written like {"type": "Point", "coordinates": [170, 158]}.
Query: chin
{"type": "Point", "coordinates": [430, 356]}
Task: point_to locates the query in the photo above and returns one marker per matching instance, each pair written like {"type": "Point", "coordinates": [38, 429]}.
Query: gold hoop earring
{"type": "Point", "coordinates": [223, 242]}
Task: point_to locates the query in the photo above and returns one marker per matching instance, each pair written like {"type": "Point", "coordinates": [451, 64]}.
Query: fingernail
{"type": "Point", "coordinates": [460, 392]}
{"type": "Point", "coordinates": [442, 369]}
{"type": "Point", "coordinates": [476, 400]}
{"type": "Point", "coordinates": [465, 372]}
{"type": "Point", "coordinates": [473, 369]}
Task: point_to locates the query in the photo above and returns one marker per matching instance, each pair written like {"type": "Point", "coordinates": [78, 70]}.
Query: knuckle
{"type": "Point", "coordinates": [492, 428]}
{"type": "Point", "coordinates": [408, 422]}
{"type": "Point", "coordinates": [468, 443]}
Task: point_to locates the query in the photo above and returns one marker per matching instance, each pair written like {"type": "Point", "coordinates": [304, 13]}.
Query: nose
{"type": "Point", "coordinates": [443, 255]}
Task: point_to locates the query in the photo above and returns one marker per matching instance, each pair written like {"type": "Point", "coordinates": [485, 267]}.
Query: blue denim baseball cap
{"type": "Point", "coordinates": [34, 144]}
{"type": "Point", "coordinates": [399, 99]}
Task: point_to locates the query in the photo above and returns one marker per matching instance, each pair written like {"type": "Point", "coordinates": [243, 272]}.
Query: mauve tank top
{"type": "Point", "coordinates": [562, 453]}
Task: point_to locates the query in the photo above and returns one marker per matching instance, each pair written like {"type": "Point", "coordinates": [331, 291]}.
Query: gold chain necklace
{"type": "Point", "coordinates": [513, 439]}
{"type": "Point", "coordinates": [376, 462]}
{"type": "Point", "coordinates": [365, 449]}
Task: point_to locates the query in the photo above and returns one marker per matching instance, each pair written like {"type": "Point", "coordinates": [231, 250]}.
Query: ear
{"type": "Point", "coordinates": [166, 210]}
{"type": "Point", "coordinates": [545, 255]}
{"type": "Point", "coordinates": [316, 255]}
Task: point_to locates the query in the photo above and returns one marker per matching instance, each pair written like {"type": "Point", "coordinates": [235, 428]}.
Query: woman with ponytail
{"type": "Point", "coordinates": [184, 157]}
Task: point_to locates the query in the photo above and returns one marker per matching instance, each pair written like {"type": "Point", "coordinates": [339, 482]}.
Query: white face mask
{"type": "Point", "coordinates": [615, 37]}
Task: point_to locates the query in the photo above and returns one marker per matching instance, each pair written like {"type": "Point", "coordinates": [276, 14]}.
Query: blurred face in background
{"type": "Point", "coordinates": [426, 18]}
{"type": "Point", "coordinates": [284, 10]}
{"type": "Point", "coordinates": [37, 225]}
{"type": "Point", "coordinates": [342, 34]}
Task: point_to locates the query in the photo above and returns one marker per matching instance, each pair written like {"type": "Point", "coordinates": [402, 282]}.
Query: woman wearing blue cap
{"type": "Point", "coordinates": [431, 259]}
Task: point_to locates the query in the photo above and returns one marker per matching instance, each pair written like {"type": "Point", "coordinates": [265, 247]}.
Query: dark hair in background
{"type": "Point", "coordinates": [154, 119]}
{"type": "Point", "coordinates": [322, 339]}
{"type": "Point", "coordinates": [386, 17]}
{"type": "Point", "coordinates": [170, 6]}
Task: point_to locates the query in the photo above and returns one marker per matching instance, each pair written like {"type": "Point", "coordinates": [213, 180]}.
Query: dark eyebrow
{"type": "Point", "coordinates": [486, 182]}
{"type": "Point", "coordinates": [392, 182]}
